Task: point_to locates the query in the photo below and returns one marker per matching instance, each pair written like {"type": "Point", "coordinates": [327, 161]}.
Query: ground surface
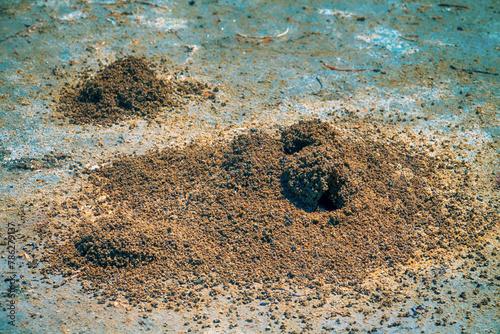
{"type": "Point", "coordinates": [430, 78]}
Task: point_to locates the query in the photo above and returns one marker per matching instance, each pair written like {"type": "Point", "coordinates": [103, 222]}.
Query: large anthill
{"type": "Point", "coordinates": [309, 205]}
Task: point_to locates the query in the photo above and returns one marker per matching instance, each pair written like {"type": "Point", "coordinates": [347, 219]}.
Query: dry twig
{"type": "Point", "coordinates": [17, 34]}
{"type": "Point", "coordinates": [343, 70]}
{"type": "Point", "coordinates": [264, 37]}
{"type": "Point", "coordinates": [453, 5]}
{"type": "Point", "coordinates": [117, 3]}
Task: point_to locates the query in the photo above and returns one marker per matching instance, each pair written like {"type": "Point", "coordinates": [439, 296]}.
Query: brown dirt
{"type": "Point", "coordinates": [128, 87]}
{"type": "Point", "coordinates": [297, 209]}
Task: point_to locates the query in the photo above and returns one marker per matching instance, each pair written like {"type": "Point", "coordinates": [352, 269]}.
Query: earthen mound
{"type": "Point", "coordinates": [128, 87]}
{"type": "Point", "coordinates": [249, 211]}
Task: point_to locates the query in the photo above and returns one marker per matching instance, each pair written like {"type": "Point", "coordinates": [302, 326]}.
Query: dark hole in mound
{"type": "Point", "coordinates": [311, 180]}
{"type": "Point", "coordinates": [325, 203]}
{"type": "Point", "coordinates": [332, 199]}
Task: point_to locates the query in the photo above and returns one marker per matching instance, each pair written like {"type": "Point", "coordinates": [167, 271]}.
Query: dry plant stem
{"type": "Point", "coordinates": [29, 29]}
{"type": "Point", "coordinates": [453, 5]}
{"type": "Point", "coordinates": [118, 3]}
{"type": "Point", "coordinates": [342, 70]}
{"type": "Point", "coordinates": [263, 37]}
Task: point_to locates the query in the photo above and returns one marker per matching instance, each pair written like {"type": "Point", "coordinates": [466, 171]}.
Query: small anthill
{"type": "Point", "coordinates": [128, 87]}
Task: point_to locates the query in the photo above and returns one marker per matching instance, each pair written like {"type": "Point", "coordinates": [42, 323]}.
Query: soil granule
{"type": "Point", "coordinates": [128, 87]}
{"type": "Point", "coordinates": [293, 209]}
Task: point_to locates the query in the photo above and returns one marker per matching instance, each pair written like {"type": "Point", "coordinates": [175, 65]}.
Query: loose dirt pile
{"type": "Point", "coordinates": [307, 207]}
{"type": "Point", "coordinates": [128, 87]}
